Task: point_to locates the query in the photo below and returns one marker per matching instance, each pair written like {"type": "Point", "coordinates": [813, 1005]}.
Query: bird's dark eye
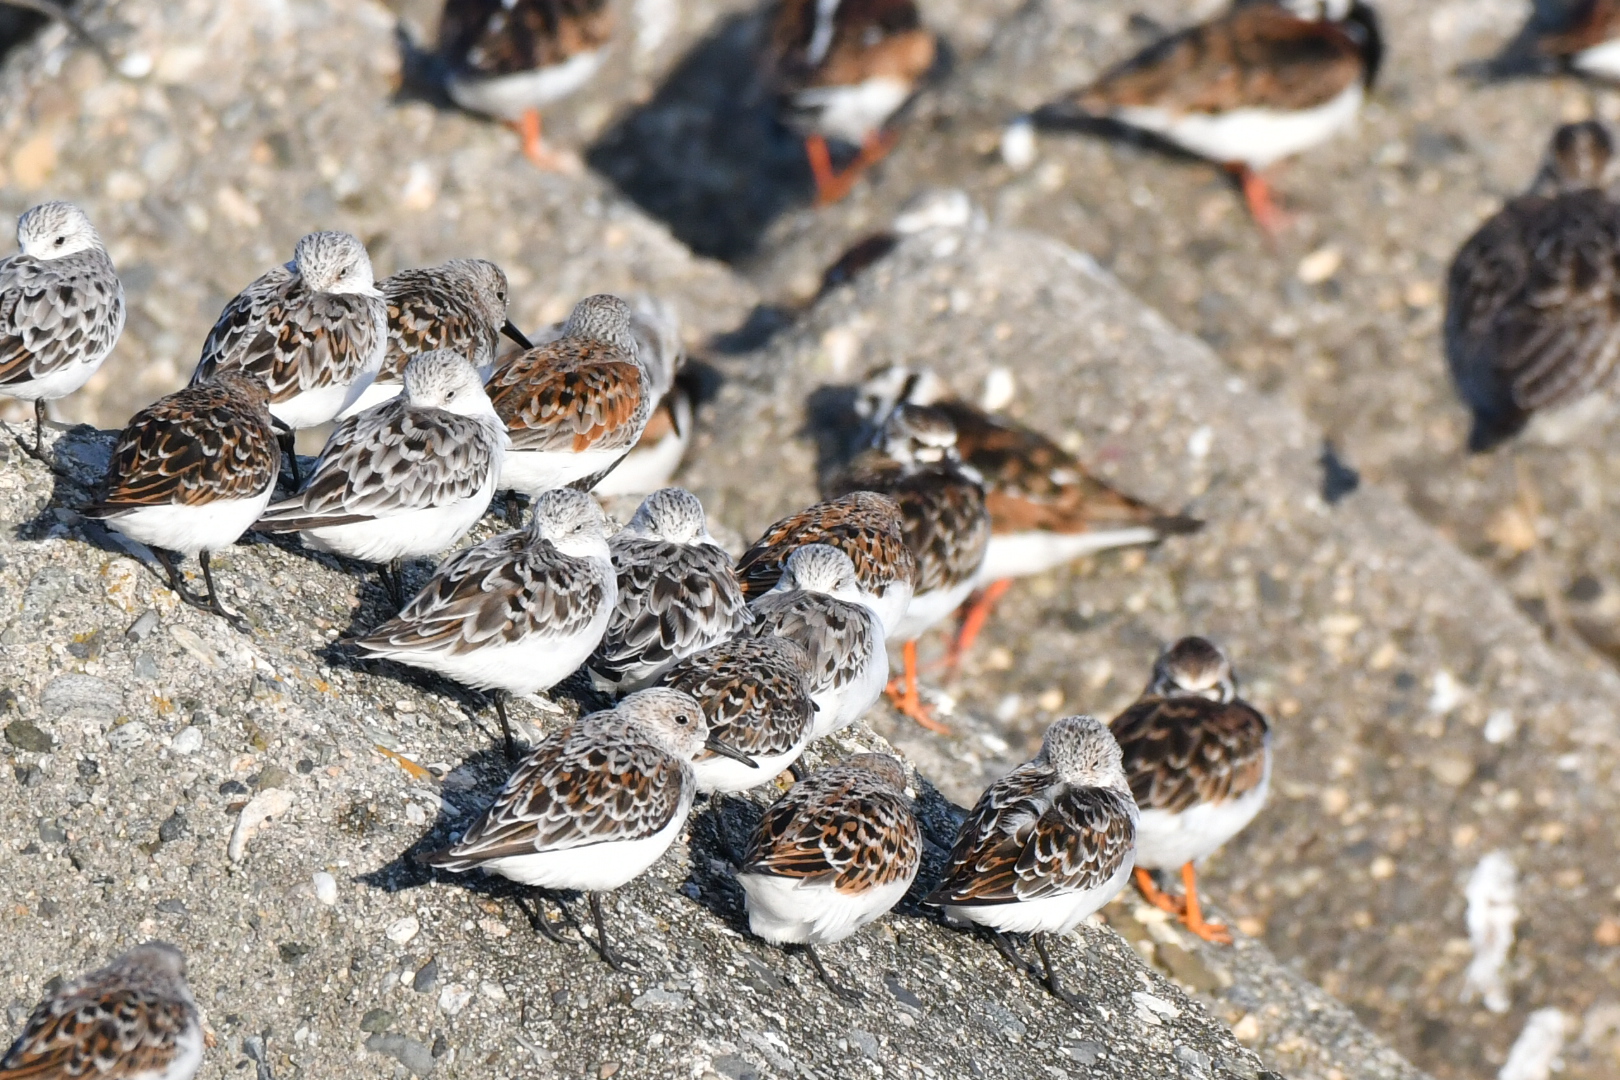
{"type": "Point", "coordinates": [451, 396]}
{"type": "Point", "coordinates": [683, 719]}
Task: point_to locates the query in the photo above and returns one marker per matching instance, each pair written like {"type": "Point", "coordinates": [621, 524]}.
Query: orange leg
{"type": "Point", "coordinates": [1155, 896]}
{"type": "Point", "coordinates": [1194, 918]}
{"type": "Point", "coordinates": [534, 147]}
{"type": "Point", "coordinates": [903, 693]}
{"type": "Point", "coordinates": [831, 186]}
{"type": "Point", "coordinates": [1263, 207]}
{"type": "Point", "coordinates": [977, 613]}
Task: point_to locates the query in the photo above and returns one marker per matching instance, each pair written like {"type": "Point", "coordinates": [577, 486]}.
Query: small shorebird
{"type": "Point", "coordinates": [1199, 762]}
{"type": "Point", "coordinates": [1265, 81]}
{"type": "Point", "coordinates": [841, 70]}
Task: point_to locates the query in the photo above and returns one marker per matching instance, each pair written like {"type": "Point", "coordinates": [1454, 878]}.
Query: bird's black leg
{"type": "Point", "coordinates": [537, 918]}
{"type": "Point", "coordinates": [1009, 951]}
{"type": "Point", "coordinates": [797, 770]}
{"type": "Point", "coordinates": [170, 562]}
{"type": "Point", "coordinates": [1052, 983]}
{"type": "Point", "coordinates": [843, 993]}
{"type": "Point", "coordinates": [610, 956]}
{"type": "Point", "coordinates": [212, 600]}
{"type": "Point", "coordinates": [393, 580]}
{"type": "Point", "coordinates": [39, 428]}
{"type": "Point", "coordinates": [289, 454]}
{"type": "Point", "coordinates": [514, 510]}
{"type": "Point", "coordinates": [506, 727]}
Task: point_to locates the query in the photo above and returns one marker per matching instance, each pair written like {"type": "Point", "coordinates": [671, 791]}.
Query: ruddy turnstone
{"type": "Point", "coordinates": [510, 58]}
{"type": "Point", "coordinates": [61, 309]}
{"type": "Point", "coordinates": [842, 69]}
{"type": "Point", "coordinates": [574, 406]}
{"type": "Point", "coordinates": [406, 479]}
{"type": "Point", "coordinates": [1530, 319]}
{"type": "Point", "coordinates": [592, 807]}
{"type": "Point", "coordinates": [134, 1019]}
{"type": "Point", "coordinates": [1045, 508]}
{"type": "Point", "coordinates": [819, 603]}
{"type": "Point", "coordinates": [459, 305]}
{"type": "Point", "coordinates": [315, 330]}
{"type": "Point", "coordinates": [836, 852]}
{"type": "Point", "coordinates": [865, 526]}
{"type": "Point", "coordinates": [755, 693]}
{"type": "Point", "coordinates": [1587, 39]}
{"type": "Point", "coordinates": [1199, 762]}
{"type": "Point", "coordinates": [944, 522]}
{"type": "Point", "coordinates": [678, 593]}
{"type": "Point", "coordinates": [191, 473]}
{"type": "Point", "coordinates": [1046, 845]}
{"type": "Point", "coordinates": [1263, 82]}
{"type": "Point", "coordinates": [515, 614]}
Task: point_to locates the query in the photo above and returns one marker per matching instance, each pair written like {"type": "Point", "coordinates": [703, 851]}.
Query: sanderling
{"type": "Point", "coordinates": [1528, 326]}
{"type": "Point", "coordinates": [510, 58]}
{"type": "Point", "coordinates": [593, 806]}
{"type": "Point", "coordinates": [1245, 90]}
{"type": "Point", "coordinates": [134, 1018]}
{"type": "Point", "coordinates": [833, 854]}
{"type": "Point", "coordinates": [1046, 845]}
{"type": "Point", "coordinates": [515, 614]}
{"type": "Point", "coordinates": [945, 523]}
{"type": "Point", "coordinates": [574, 406]}
{"type": "Point", "coordinates": [459, 305]}
{"type": "Point", "coordinates": [191, 473]}
{"type": "Point", "coordinates": [865, 526]}
{"type": "Point", "coordinates": [1045, 508]}
{"type": "Point", "coordinates": [1199, 762]}
{"type": "Point", "coordinates": [315, 330]}
{"type": "Point", "coordinates": [61, 309]}
{"type": "Point", "coordinates": [656, 327]}
{"type": "Point", "coordinates": [842, 71]}
{"type": "Point", "coordinates": [406, 479]}
{"type": "Point", "coordinates": [678, 593]}
{"type": "Point", "coordinates": [818, 603]}
{"type": "Point", "coordinates": [755, 693]}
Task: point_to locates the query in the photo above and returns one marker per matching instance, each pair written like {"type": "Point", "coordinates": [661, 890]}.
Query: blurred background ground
{"type": "Point", "coordinates": [261, 121]}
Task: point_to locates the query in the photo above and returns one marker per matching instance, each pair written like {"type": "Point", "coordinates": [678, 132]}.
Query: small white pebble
{"type": "Point", "coordinates": [1493, 909]}
{"type": "Point", "coordinates": [1320, 265]}
{"type": "Point", "coordinates": [1447, 693]}
{"type": "Point", "coordinates": [999, 388]}
{"type": "Point", "coordinates": [1535, 1052]}
{"type": "Point", "coordinates": [137, 65]}
{"type": "Point", "coordinates": [493, 991]}
{"type": "Point", "coordinates": [325, 888]}
{"type": "Point", "coordinates": [1500, 726]}
{"type": "Point", "coordinates": [403, 930]}
{"type": "Point", "coordinates": [993, 743]}
{"type": "Point", "coordinates": [189, 740]}
{"type": "Point", "coordinates": [415, 814]}
{"type": "Point", "coordinates": [404, 706]}
{"type": "Point", "coordinates": [1018, 149]}
{"type": "Point", "coordinates": [1199, 443]}
{"type": "Point", "coordinates": [454, 998]}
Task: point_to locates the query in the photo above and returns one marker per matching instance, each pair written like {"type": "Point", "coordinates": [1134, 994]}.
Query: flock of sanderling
{"type": "Point", "coordinates": [725, 672]}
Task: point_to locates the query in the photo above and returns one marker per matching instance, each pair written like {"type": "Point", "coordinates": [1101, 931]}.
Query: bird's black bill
{"type": "Point", "coordinates": [511, 331]}
{"type": "Point", "coordinates": [731, 752]}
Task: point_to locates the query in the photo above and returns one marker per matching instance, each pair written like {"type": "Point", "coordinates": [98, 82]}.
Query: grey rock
{"type": "Point", "coordinates": [377, 1021]}
{"type": "Point", "coordinates": [414, 1055]}
{"type": "Point", "coordinates": [141, 627]}
{"type": "Point", "coordinates": [145, 668]}
{"type": "Point", "coordinates": [26, 735]}
{"type": "Point", "coordinates": [82, 696]}
{"type": "Point", "coordinates": [52, 832]}
{"type": "Point", "coordinates": [426, 978]}
{"type": "Point", "coordinates": [173, 828]}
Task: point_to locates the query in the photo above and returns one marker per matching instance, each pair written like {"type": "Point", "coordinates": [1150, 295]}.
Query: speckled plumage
{"type": "Point", "coordinates": [1061, 825]}
{"type": "Point", "coordinates": [134, 1019]}
{"type": "Point", "coordinates": [459, 305]}
{"type": "Point", "coordinates": [61, 305]}
{"type": "Point", "coordinates": [425, 462]}
{"type": "Point", "coordinates": [548, 589]}
{"type": "Point", "coordinates": [942, 507]}
{"type": "Point", "coordinates": [575, 405]}
{"type": "Point", "coordinates": [1533, 297]}
{"type": "Point", "coordinates": [315, 330]}
{"type": "Point", "coordinates": [756, 695]}
{"type": "Point", "coordinates": [817, 603]}
{"type": "Point", "coordinates": [678, 592]}
{"type": "Point", "coordinates": [865, 526]}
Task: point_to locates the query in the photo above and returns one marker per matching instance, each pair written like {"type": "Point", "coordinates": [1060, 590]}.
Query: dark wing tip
{"type": "Point", "coordinates": [1491, 429]}
{"type": "Point", "coordinates": [1177, 524]}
